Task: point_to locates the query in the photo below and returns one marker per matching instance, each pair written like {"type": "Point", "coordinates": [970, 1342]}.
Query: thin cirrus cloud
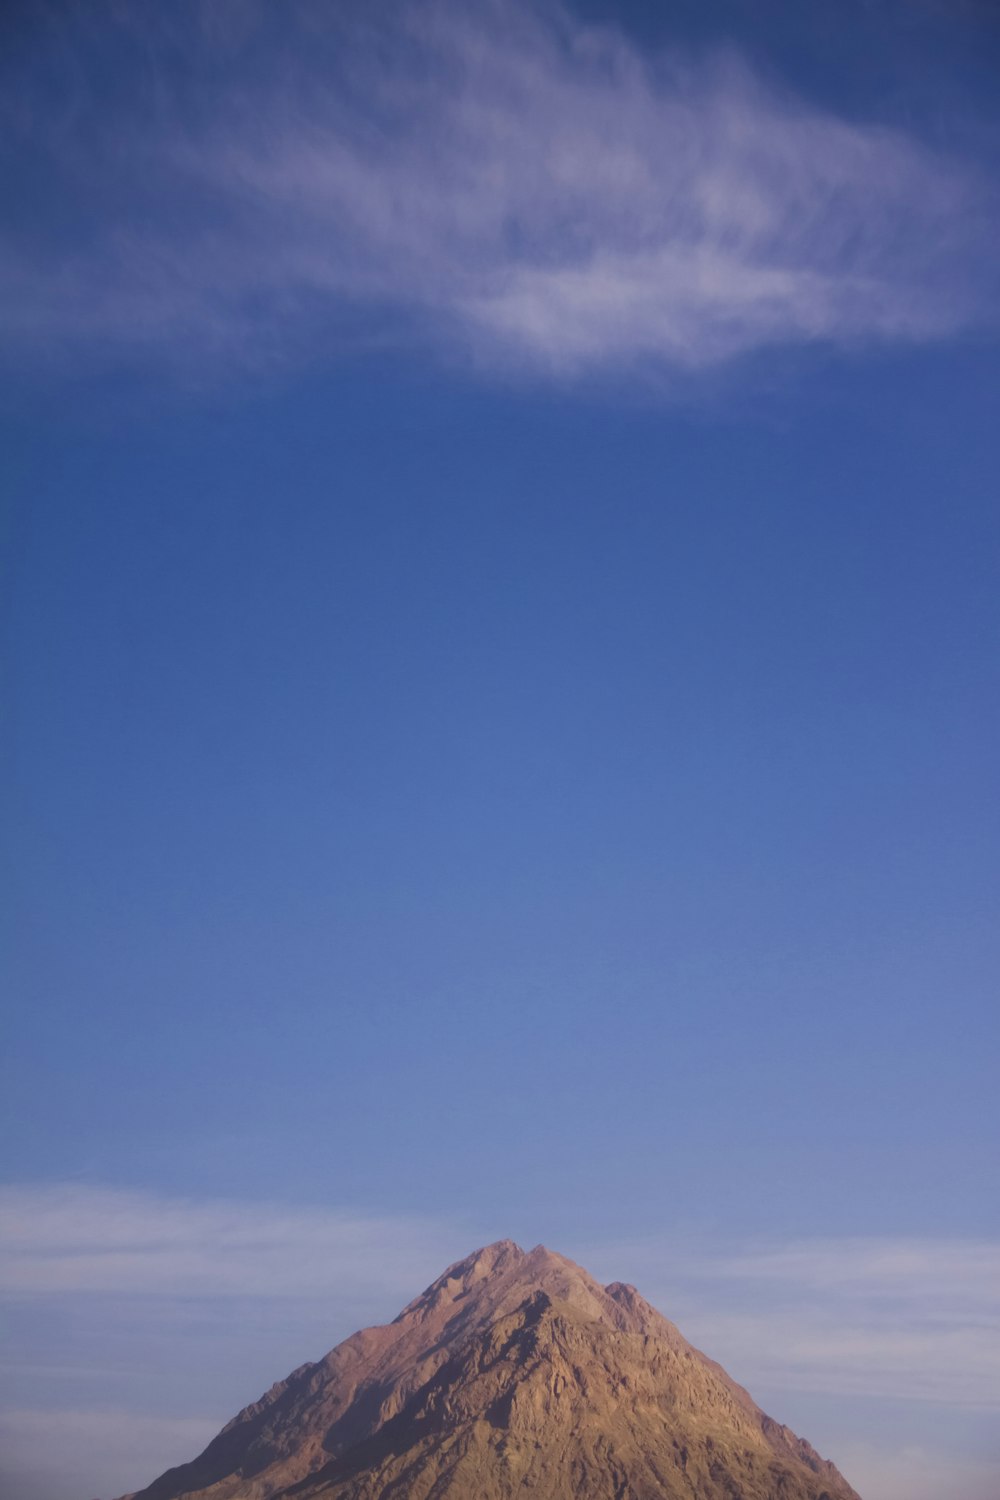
{"type": "Point", "coordinates": [75, 1239]}
{"type": "Point", "coordinates": [509, 184]}
{"type": "Point", "coordinates": [899, 1319]}
{"type": "Point", "coordinates": [122, 1298]}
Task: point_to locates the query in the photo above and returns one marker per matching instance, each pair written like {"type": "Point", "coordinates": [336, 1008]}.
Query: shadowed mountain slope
{"type": "Point", "coordinates": [514, 1374]}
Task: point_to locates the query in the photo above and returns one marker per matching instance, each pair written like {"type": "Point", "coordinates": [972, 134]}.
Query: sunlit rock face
{"type": "Point", "coordinates": [514, 1374]}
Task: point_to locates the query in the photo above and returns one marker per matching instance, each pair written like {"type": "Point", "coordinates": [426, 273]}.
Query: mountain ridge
{"type": "Point", "coordinates": [514, 1373]}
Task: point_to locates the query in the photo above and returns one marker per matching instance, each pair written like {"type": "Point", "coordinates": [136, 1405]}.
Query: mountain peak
{"type": "Point", "coordinates": [514, 1372]}
{"type": "Point", "coordinates": [484, 1265]}
{"type": "Point", "coordinates": [485, 1261]}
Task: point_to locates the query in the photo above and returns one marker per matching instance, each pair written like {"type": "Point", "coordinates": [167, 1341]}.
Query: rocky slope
{"type": "Point", "coordinates": [514, 1374]}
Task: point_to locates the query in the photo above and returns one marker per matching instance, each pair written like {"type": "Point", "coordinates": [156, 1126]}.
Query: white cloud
{"type": "Point", "coordinates": [135, 1300]}
{"type": "Point", "coordinates": [901, 1318]}
{"type": "Point", "coordinates": [75, 1239]}
{"type": "Point", "coordinates": [956, 1269]}
{"type": "Point", "coordinates": [915, 1319]}
{"type": "Point", "coordinates": [504, 181]}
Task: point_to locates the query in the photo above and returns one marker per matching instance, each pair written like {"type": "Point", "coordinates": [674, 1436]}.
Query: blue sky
{"type": "Point", "coordinates": [500, 651]}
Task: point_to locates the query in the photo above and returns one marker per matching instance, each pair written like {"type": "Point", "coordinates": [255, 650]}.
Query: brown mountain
{"type": "Point", "coordinates": [515, 1374]}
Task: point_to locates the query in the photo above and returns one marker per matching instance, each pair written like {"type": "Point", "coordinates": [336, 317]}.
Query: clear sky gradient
{"type": "Point", "coordinates": [501, 636]}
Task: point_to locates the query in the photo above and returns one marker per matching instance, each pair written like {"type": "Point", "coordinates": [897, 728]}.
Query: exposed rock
{"type": "Point", "coordinates": [514, 1374]}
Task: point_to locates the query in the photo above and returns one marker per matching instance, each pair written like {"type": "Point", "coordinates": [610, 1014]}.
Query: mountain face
{"type": "Point", "coordinates": [514, 1374]}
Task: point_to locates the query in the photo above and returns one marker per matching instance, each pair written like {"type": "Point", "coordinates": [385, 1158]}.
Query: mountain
{"type": "Point", "coordinates": [514, 1374]}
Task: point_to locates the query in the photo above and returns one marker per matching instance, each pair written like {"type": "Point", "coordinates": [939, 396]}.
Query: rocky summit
{"type": "Point", "coordinates": [514, 1374]}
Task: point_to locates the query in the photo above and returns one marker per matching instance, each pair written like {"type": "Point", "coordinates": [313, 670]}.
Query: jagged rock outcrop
{"type": "Point", "coordinates": [514, 1374]}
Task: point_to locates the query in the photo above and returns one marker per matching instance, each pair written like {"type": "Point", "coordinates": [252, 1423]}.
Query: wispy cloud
{"type": "Point", "coordinates": [887, 1318]}
{"type": "Point", "coordinates": [75, 1239]}
{"type": "Point", "coordinates": [122, 1302]}
{"type": "Point", "coordinates": [136, 1323]}
{"type": "Point", "coordinates": [900, 1318]}
{"type": "Point", "coordinates": [504, 182]}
